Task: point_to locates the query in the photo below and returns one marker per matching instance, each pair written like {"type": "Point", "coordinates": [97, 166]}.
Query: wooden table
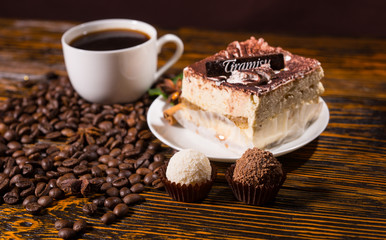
{"type": "Point", "coordinates": [335, 186]}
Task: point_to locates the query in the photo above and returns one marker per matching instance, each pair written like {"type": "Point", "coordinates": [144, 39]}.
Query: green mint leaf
{"type": "Point", "coordinates": [157, 92]}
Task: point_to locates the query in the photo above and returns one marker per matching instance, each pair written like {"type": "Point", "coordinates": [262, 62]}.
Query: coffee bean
{"type": "Point", "coordinates": [79, 225]}
{"type": "Point", "coordinates": [56, 193]}
{"type": "Point", "coordinates": [112, 192]}
{"type": "Point", "coordinates": [52, 183]}
{"type": "Point", "coordinates": [112, 171]}
{"type": "Point", "coordinates": [90, 208]}
{"type": "Point", "coordinates": [115, 152]}
{"type": "Point", "coordinates": [131, 135]}
{"type": "Point", "coordinates": [99, 201]}
{"type": "Point", "coordinates": [134, 178]}
{"type": "Point", "coordinates": [133, 198]}
{"type": "Point", "coordinates": [96, 171]}
{"type": "Point", "coordinates": [53, 135]}
{"type": "Point", "coordinates": [111, 177]}
{"type": "Point", "coordinates": [137, 188]}
{"type": "Point", "coordinates": [106, 186]}
{"type": "Point", "coordinates": [105, 159]}
{"type": "Point", "coordinates": [3, 148]}
{"type": "Point", "coordinates": [141, 145]}
{"type": "Point", "coordinates": [80, 169]}
{"type": "Point", "coordinates": [47, 164]}
{"type": "Point", "coordinates": [121, 210]}
{"type": "Point", "coordinates": [34, 157]}
{"type": "Point", "coordinates": [14, 145]}
{"type": "Point", "coordinates": [29, 199]}
{"type": "Point", "coordinates": [124, 191]}
{"type": "Point", "coordinates": [10, 135]}
{"type": "Point", "coordinates": [62, 155]}
{"type": "Point", "coordinates": [9, 163]}
{"type": "Point", "coordinates": [126, 166]}
{"type": "Point", "coordinates": [12, 197]}
{"type": "Point", "coordinates": [52, 149]}
{"type": "Point", "coordinates": [25, 139]}
{"type": "Point", "coordinates": [60, 125]}
{"type": "Point", "coordinates": [149, 178]}
{"type": "Point", "coordinates": [53, 174]}
{"type": "Point", "coordinates": [70, 162]}
{"type": "Point", "coordinates": [158, 184]}
{"type": "Point", "coordinates": [154, 146]}
{"type": "Point", "coordinates": [42, 189]}
{"type": "Point", "coordinates": [63, 223]}
{"type": "Point", "coordinates": [23, 183]}
{"type": "Point", "coordinates": [105, 125]}
{"type": "Point", "coordinates": [143, 171]}
{"type": "Point", "coordinates": [141, 125]}
{"type": "Point", "coordinates": [15, 179]}
{"type": "Point", "coordinates": [70, 186]}
{"type": "Point", "coordinates": [131, 121]}
{"type": "Point", "coordinates": [28, 191]}
{"type": "Point", "coordinates": [145, 134]}
{"type": "Point", "coordinates": [42, 146]}
{"type": "Point", "coordinates": [120, 120]}
{"type": "Point", "coordinates": [66, 233]}
{"type": "Point", "coordinates": [4, 183]}
{"type": "Point", "coordinates": [64, 170]}
{"type": "Point", "coordinates": [17, 154]}
{"type": "Point", "coordinates": [155, 165]}
{"type": "Point", "coordinates": [91, 148]}
{"type": "Point", "coordinates": [111, 202]}
{"type": "Point", "coordinates": [45, 201]}
{"type": "Point", "coordinates": [63, 178]}
{"type": "Point", "coordinates": [89, 155]}
{"type": "Point", "coordinates": [103, 151]}
{"type": "Point", "coordinates": [115, 144]}
{"type": "Point", "coordinates": [12, 171]}
{"type": "Point", "coordinates": [33, 207]}
{"type": "Point", "coordinates": [124, 173]}
{"type": "Point", "coordinates": [113, 163]}
{"type": "Point", "coordinates": [120, 182]}
{"type": "Point", "coordinates": [108, 218]}
{"type": "Point", "coordinates": [132, 152]}
{"type": "Point", "coordinates": [159, 157]}
{"type": "Point", "coordinates": [96, 183]}
{"type": "Point", "coordinates": [140, 161]}
{"type": "Point", "coordinates": [127, 148]}
{"type": "Point", "coordinates": [74, 157]}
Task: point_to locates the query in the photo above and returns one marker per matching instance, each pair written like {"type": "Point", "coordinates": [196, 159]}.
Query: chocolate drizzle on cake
{"type": "Point", "coordinates": [252, 77]}
{"type": "Point", "coordinates": [295, 66]}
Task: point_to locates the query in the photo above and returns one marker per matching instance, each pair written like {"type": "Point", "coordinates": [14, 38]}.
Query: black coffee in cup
{"type": "Point", "coordinates": [111, 39]}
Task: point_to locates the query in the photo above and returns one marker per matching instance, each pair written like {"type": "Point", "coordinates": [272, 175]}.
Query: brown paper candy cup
{"type": "Point", "coordinates": [187, 193]}
{"type": "Point", "coordinates": [252, 195]}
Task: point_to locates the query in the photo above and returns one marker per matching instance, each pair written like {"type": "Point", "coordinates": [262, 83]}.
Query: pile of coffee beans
{"type": "Point", "coordinates": [54, 144]}
{"type": "Point", "coordinates": [67, 229]}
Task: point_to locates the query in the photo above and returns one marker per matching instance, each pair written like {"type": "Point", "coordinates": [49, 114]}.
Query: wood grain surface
{"type": "Point", "coordinates": [335, 187]}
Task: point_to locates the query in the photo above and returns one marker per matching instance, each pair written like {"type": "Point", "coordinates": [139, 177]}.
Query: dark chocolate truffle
{"type": "Point", "coordinates": [258, 167]}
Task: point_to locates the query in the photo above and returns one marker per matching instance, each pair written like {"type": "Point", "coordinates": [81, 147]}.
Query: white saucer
{"type": "Point", "coordinates": [180, 138]}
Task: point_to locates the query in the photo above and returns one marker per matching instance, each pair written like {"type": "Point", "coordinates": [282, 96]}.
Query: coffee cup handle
{"type": "Point", "coordinates": [177, 54]}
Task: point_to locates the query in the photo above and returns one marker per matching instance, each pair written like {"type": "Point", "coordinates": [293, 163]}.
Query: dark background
{"type": "Point", "coordinates": [355, 18]}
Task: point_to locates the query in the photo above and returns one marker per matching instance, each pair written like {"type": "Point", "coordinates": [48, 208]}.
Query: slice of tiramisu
{"type": "Point", "coordinates": [254, 100]}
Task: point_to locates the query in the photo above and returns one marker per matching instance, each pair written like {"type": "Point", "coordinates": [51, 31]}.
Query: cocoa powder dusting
{"type": "Point", "coordinates": [258, 167]}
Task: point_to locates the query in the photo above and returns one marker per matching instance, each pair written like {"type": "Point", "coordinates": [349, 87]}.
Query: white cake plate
{"type": "Point", "coordinates": [180, 138]}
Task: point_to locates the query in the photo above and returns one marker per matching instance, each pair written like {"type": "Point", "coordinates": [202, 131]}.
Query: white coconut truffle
{"type": "Point", "coordinates": [188, 167]}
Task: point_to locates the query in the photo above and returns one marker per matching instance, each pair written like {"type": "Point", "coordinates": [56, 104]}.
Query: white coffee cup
{"type": "Point", "coordinates": [116, 76]}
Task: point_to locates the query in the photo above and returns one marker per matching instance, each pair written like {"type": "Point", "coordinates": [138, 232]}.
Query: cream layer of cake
{"type": "Point", "coordinates": [257, 108]}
